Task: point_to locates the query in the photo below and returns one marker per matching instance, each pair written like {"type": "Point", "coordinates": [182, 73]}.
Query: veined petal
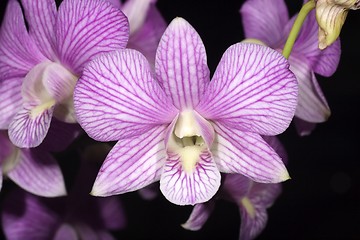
{"type": "Point", "coordinates": [252, 89]}
{"type": "Point", "coordinates": [11, 100]}
{"type": "Point", "coordinates": [199, 215]}
{"type": "Point", "coordinates": [267, 25]}
{"type": "Point", "coordinates": [265, 194]}
{"type": "Point", "coordinates": [181, 64]}
{"type": "Point", "coordinates": [248, 154]}
{"type": "Point", "coordinates": [117, 97]}
{"type": "Point", "coordinates": [65, 231]}
{"type": "Point", "coordinates": [26, 216]}
{"type": "Point", "coordinates": [18, 52]}
{"type": "Point", "coordinates": [147, 38]}
{"type": "Point", "coordinates": [133, 163]}
{"type": "Point", "coordinates": [277, 145]}
{"type": "Point", "coordinates": [136, 12]}
{"type": "Point", "coordinates": [39, 173]}
{"type": "Point", "coordinates": [86, 28]}
{"type": "Point", "coordinates": [323, 62]}
{"type": "Point", "coordinates": [30, 125]}
{"type": "Point", "coordinates": [41, 16]}
{"type": "Point", "coordinates": [183, 187]}
{"type": "Point", "coordinates": [312, 105]}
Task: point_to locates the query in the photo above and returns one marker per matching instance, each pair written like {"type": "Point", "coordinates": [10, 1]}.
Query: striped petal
{"type": "Point", "coordinates": [252, 89]}
{"type": "Point", "coordinates": [248, 154]}
{"type": "Point", "coordinates": [117, 97]}
{"type": "Point", "coordinates": [11, 100]}
{"type": "Point", "coordinates": [133, 163]}
{"type": "Point", "coordinates": [38, 172]}
{"type": "Point", "coordinates": [268, 25]}
{"type": "Point", "coordinates": [28, 129]}
{"type": "Point", "coordinates": [199, 215]}
{"type": "Point", "coordinates": [41, 16]}
{"type": "Point", "coordinates": [18, 52]}
{"type": "Point", "coordinates": [181, 64]}
{"type": "Point", "coordinates": [183, 187]}
{"type": "Point", "coordinates": [86, 28]}
{"type": "Point", "coordinates": [312, 105]}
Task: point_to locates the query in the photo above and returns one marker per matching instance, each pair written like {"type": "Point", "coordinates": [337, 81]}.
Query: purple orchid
{"type": "Point", "coordinates": [77, 216]}
{"type": "Point", "coordinates": [179, 127]}
{"type": "Point", "coordinates": [34, 170]}
{"type": "Point", "coordinates": [146, 25]}
{"type": "Point", "coordinates": [39, 67]}
{"type": "Point", "coordinates": [252, 198]}
{"type": "Point", "coordinates": [272, 27]}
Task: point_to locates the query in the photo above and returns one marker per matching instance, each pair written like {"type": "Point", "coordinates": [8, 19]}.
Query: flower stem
{"type": "Point", "coordinates": [306, 8]}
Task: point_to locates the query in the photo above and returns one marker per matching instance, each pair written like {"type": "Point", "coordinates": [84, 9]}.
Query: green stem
{"type": "Point", "coordinates": [306, 8]}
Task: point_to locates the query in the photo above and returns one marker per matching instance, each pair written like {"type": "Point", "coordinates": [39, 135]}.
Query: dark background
{"type": "Point", "coordinates": [322, 200]}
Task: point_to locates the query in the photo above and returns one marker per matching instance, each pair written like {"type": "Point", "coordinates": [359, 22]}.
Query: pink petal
{"type": "Point", "coordinates": [304, 128]}
{"type": "Point", "coordinates": [183, 188]}
{"type": "Point", "coordinates": [252, 89]}
{"type": "Point", "coordinates": [118, 98]}
{"type": "Point", "coordinates": [181, 64]}
{"type": "Point", "coordinates": [248, 154]}
{"type": "Point", "coordinates": [88, 28]}
{"type": "Point", "coordinates": [18, 52]}
{"type": "Point", "coordinates": [199, 215]}
{"type": "Point", "coordinates": [41, 15]}
{"type": "Point", "coordinates": [65, 231]}
{"type": "Point", "coordinates": [11, 100]}
{"type": "Point", "coordinates": [268, 25]}
{"type": "Point", "coordinates": [133, 163]}
{"type": "Point", "coordinates": [28, 130]}
{"type": "Point", "coordinates": [312, 105]}
{"type": "Point", "coordinates": [39, 173]}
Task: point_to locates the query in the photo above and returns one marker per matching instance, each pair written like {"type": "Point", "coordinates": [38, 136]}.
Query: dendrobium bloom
{"type": "Point", "coordinates": [34, 170]}
{"type": "Point", "coordinates": [39, 67]}
{"type": "Point", "coordinates": [272, 27]}
{"type": "Point", "coordinates": [77, 216]}
{"type": "Point", "coordinates": [252, 198]}
{"type": "Point", "coordinates": [331, 16]}
{"type": "Point", "coordinates": [179, 127]}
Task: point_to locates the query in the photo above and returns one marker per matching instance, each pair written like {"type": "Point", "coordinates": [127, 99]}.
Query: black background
{"type": "Point", "coordinates": [322, 200]}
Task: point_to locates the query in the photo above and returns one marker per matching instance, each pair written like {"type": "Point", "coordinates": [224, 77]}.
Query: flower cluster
{"type": "Point", "coordinates": [118, 74]}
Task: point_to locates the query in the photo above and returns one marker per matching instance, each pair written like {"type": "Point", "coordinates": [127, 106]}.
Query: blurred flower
{"type": "Point", "coordinates": [181, 128]}
{"type": "Point", "coordinates": [77, 216]}
{"type": "Point", "coordinates": [272, 27]}
{"type": "Point", "coordinates": [39, 67]}
{"type": "Point", "coordinates": [331, 15]}
{"type": "Point", "coordinates": [252, 198]}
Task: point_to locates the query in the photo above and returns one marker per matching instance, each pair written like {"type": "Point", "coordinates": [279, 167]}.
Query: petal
{"type": "Point", "coordinates": [265, 194]}
{"type": "Point", "coordinates": [26, 216]}
{"type": "Point", "coordinates": [252, 89]}
{"type": "Point", "coordinates": [312, 105]}
{"type": "Point", "coordinates": [18, 52]}
{"type": "Point", "coordinates": [235, 187]}
{"type": "Point", "coordinates": [268, 25]}
{"type": "Point", "coordinates": [181, 64]}
{"type": "Point", "coordinates": [87, 28]}
{"type": "Point", "coordinates": [39, 173]}
{"type": "Point", "coordinates": [11, 100]}
{"type": "Point", "coordinates": [65, 231]}
{"type": "Point", "coordinates": [182, 187]}
{"type": "Point", "coordinates": [277, 145]}
{"type": "Point", "coordinates": [323, 62]}
{"type": "Point", "coordinates": [136, 12]}
{"type": "Point", "coordinates": [248, 154]}
{"type": "Point", "coordinates": [147, 38]}
{"type": "Point", "coordinates": [199, 215]}
{"type": "Point", "coordinates": [41, 15]}
{"type": "Point", "coordinates": [133, 163]}
{"type": "Point", "coordinates": [29, 127]}
{"type": "Point", "coordinates": [117, 97]}
{"type": "Point", "coordinates": [111, 213]}
{"type": "Point", "coordinates": [304, 128]}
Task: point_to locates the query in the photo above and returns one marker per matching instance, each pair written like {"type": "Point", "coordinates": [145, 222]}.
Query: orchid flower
{"type": "Point", "coordinates": [146, 25]}
{"type": "Point", "coordinates": [178, 126]}
{"type": "Point", "coordinates": [77, 216]}
{"type": "Point", "coordinates": [272, 28]}
{"type": "Point", "coordinates": [35, 170]}
{"type": "Point", "coordinates": [39, 67]}
{"type": "Point", "coordinates": [252, 198]}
